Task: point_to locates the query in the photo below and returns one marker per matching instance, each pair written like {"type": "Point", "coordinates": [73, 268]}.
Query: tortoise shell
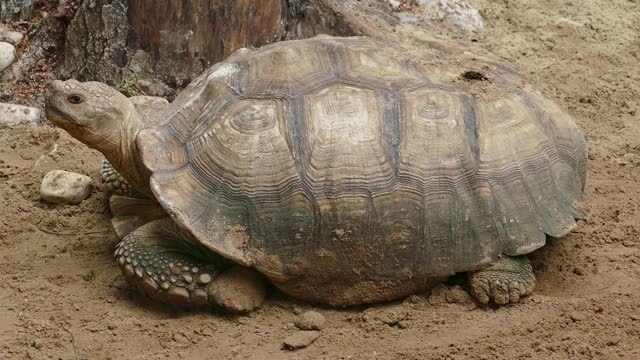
{"type": "Point", "coordinates": [345, 169]}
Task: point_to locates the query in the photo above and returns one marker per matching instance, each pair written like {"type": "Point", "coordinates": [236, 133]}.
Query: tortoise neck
{"type": "Point", "coordinates": [126, 158]}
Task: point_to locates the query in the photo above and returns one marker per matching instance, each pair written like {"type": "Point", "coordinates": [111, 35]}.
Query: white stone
{"type": "Point", "coordinates": [394, 3]}
{"type": "Point", "coordinates": [461, 14]}
{"type": "Point", "coordinates": [458, 13]}
{"type": "Point", "coordinates": [7, 55]}
{"type": "Point", "coordinates": [12, 37]}
{"type": "Point", "coordinates": [12, 114]}
{"type": "Point", "coordinates": [63, 187]}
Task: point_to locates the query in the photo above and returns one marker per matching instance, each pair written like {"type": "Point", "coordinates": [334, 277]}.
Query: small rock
{"type": "Point", "coordinates": [37, 343]}
{"type": "Point", "coordinates": [461, 14]}
{"type": "Point", "coordinates": [65, 187]}
{"type": "Point", "coordinates": [12, 114]}
{"type": "Point", "coordinates": [458, 13]}
{"type": "Point", "coordinates": [576, 317]}
{"type": "Point", "coordinates": [300, 339]}
{"type": "Point", "coordinates": [394, 4]}
{"type": "Point", "coordinates": [310, 320]}
{"type": "Point", "coordinates": [7, 55]}
{"type": "Point", "coordinates": [12, 37]}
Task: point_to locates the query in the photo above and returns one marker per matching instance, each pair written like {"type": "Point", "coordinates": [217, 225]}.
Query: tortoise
{"type": "Point", "coordinates": [342, 170]}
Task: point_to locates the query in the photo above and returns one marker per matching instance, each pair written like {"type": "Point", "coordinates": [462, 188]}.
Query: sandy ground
{"type": "Point", "coordinates": [62, 296]}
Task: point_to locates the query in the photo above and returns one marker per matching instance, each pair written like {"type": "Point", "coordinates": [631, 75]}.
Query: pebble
{"type": "Point", "coordinates": [12, 114]}
{"type": "Point", "coordinates": [458, 13]}
{"type": "Point", "coordinates": [576, 317]}
{"type": "Point", "coordinates": [300, 339]}
{"type": "Point", "coordinates": [579, 270]}
{"type": "Point", "coordinates": [63, 187]}
{"type": "Point", "coordinates": [37, 343]}
{"type": "Point", "coordinates": [7, 55]}
{"type": "Point", "coordinates": [12, 37]}
{"type": "Point", "coordinates": [310, 320]}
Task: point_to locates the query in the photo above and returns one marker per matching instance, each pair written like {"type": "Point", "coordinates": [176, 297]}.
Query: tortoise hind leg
{"type": "Point", "coordinates": [166, 264]}
{"type": "Point", "coordinates": [505, 281]}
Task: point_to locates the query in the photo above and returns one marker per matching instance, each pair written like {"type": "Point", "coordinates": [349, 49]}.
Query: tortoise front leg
{"type": "Point", "coordinates": [166, 263]}
{"type": "Point", "coordinates": [116, 183]}
{"type": "Point", "coordinates": [129, 207]}
{"type": "Point", "coordinates": [505, 281]}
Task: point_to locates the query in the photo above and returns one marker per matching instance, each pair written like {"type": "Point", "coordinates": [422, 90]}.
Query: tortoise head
{"type": "Point", "coordinates": [103, 119]}
{"type": "Point", "coordinates": [92, 112]}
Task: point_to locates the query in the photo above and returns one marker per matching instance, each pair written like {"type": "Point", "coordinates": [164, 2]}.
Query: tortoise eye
{"type": "Point", "coordinates": [75, 99]}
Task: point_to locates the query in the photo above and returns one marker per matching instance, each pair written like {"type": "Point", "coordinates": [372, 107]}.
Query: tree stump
{"type": "Point", "coordinates": [151, 47]}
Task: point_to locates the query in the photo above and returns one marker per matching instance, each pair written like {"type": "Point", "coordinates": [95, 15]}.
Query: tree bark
{"type": "Point", "coordinates": [16, 9]}
{"type": "Point", "coordinates": [183, 38]}
{"type": "Point", "coordinates": [141, 46]}
{"type": "Point", "coordinates": [96, 41]}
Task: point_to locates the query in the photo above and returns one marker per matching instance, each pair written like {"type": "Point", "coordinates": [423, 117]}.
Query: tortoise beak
{"type": "Point", "coordinates": [54, 90]}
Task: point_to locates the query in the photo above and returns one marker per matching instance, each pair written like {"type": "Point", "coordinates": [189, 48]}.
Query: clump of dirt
{"type": "Point", "coordinates": [62, 295]}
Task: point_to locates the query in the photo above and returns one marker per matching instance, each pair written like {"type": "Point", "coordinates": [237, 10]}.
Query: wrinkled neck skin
{"type": "Point", "coordinates": [123, 154]}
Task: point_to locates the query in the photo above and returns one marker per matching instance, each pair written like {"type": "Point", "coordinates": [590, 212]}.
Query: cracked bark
{"type": "Point", "coordinates": [148, 44]}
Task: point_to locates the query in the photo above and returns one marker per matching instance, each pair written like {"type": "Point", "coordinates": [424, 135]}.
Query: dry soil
{"type": "Point", "coordinates": [62, 295]}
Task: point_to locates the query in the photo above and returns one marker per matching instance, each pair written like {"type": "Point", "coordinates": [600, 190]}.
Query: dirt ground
{"type": "Point", "coordinates": [63, 297]}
